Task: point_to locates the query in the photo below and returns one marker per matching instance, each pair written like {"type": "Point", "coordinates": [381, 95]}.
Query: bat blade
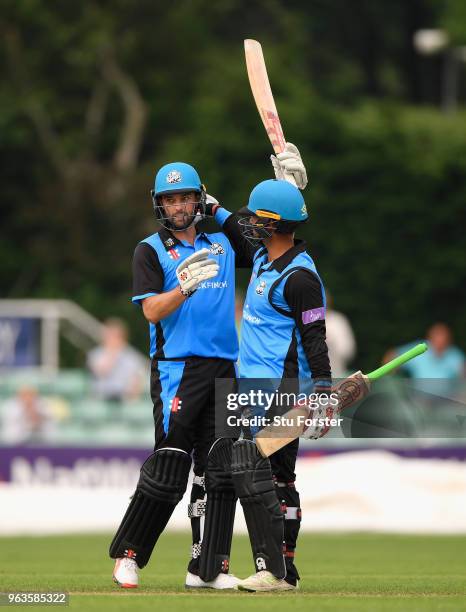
{"type": "Point", "coordinates": [260, 86]}
{"type": "Point", "coordinates": [274, 437]}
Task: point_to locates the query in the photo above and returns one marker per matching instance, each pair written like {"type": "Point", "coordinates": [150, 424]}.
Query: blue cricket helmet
{"type": "Point", "coordinates": [280, 198]}
{"type": "Point", "coordinates": [279, 206]}
{"type": "Point", "coordinates": [177, 177]}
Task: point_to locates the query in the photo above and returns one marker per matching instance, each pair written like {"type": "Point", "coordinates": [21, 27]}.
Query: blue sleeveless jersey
{"type": "Point", "coordinates": [204, 325]}
{"type": "Point", "coordinates": [267, 333]}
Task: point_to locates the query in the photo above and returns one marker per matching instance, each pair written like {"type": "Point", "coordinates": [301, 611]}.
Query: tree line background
{"type": "Point", "coordinates": [95, 96]}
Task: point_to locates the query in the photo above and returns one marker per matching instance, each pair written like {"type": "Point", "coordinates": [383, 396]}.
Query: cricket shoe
{"type": "Point", "coordinates": [125, 573]}
{"type": "Point", "coordinates": [222, 581]}
{"type": "Point", "coordinates": [264, 581]}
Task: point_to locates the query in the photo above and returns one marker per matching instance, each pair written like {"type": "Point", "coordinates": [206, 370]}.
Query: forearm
{"type": "Point", "coordinates": [316, 351]}
{"type": "Point", "coordinates": [244, 251]}
{"type": "Point", "coordinates": [158, 307]}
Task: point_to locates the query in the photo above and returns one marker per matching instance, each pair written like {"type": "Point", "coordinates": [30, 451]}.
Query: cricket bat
{"type": "Point", "coordinates": [260, 86]}
{"type": "Point", "coordinates": [350, 391]}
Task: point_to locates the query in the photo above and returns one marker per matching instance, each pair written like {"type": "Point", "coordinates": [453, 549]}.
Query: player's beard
{"type": "Point", "coordinates": [181, 220]}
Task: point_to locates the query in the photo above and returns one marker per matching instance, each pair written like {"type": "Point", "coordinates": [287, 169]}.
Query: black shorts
{"type": "Point", "coordinates": [183, 394]}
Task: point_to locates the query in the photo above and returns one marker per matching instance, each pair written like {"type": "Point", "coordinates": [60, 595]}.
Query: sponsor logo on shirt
{"type": "Point", "coordinates": [251, 318]}
{"type": "Point", "coordinates": [174, 254]}
{"type": "Point", "coordinates": [213, 285]}
{"type": "Point", "coordinates": [217, 249]}
{"type": "Point", "coordinates": [315, 314]}
{"type": "Point", "coordinates": [260, 288]}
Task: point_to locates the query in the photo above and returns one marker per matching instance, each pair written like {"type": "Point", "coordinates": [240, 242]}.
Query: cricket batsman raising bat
{"type": "Point", "coordinates": [282, 337]}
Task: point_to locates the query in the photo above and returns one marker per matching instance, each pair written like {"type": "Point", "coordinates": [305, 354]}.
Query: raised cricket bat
{"type": "Point", "coordinates": [260, 86]}
{"type": "Point", "coordinates": [350, 391]}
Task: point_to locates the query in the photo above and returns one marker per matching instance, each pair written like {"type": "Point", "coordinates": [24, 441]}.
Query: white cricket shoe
{"type": "Point", "coordinates": [222, 581]}
{"type": "Point", "coordinates": [125, 573]}
{"type": "Point", "coordinates": [264, 581]}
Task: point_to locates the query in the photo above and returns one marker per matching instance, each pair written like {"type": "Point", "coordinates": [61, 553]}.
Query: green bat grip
{"type": "Point", "coordinates": [398, 361]}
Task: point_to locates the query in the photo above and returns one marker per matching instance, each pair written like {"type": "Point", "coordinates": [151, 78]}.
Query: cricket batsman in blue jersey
{"type": "Point", "coordinates": [282, 338]}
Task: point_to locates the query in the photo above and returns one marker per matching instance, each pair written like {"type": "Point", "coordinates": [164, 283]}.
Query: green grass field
{"type": "Point", "coordinates": [339, 572]}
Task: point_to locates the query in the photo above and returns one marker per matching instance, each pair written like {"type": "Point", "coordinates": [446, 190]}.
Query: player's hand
{"type": "Point", "coordinates": [318, 429]}
{"type": "Point", "coordinates": [211, 205]}
{"type": "Point", "coordinates": [289, 164]}
{"type": "Point", "coordinates": [194, 270]}
{"type": "Point", "coordinates": [321, 414]}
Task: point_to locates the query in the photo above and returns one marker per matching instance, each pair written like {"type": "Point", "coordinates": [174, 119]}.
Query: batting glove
{"type": "Point", "coordinates": [194, 270]}
{"type": "Point", "coordinates": [318, 429]}
{"type": "Point", "coordinates": [289, 165]}
{"type": "Point", "coordinates": [211, 205]}
{"type": "Point", "coordinates": [321, 414]}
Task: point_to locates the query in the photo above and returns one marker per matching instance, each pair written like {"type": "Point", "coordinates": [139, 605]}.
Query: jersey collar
{"type": "Point", "coordinates": [170, 240]}
{"type": "Point", "coordinates": [284, 260]}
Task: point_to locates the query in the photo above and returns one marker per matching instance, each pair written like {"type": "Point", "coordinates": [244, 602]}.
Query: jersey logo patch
{"type": "Point", "coordinates": [174, 177]}
{"type": "Point", "coordinates": [174, 254]}
{"type": "Point", "coordinates": [175, 404]}
{"type": "Point", "coordinates": [169, 242]}
{"type": "Point", "coordinates": [217, 249]}
{"type": "Point", "coordinates": [261, 287]}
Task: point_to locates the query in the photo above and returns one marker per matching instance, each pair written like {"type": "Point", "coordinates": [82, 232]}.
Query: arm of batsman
{"type": "Point", "coordinates": [194, 270]}
{"type": "Point", "coordinates": [288, 163]}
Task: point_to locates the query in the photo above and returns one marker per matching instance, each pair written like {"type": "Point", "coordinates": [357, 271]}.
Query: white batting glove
{"type": "Point", "coordinates": [318, 429]}
{"type": "Point", "coordinates": [194, 270]}
{"type": "Point", "coordinates": [289, 165]}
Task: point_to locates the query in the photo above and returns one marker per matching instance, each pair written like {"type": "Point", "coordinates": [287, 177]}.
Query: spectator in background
{"type": "Point", "coordinates": [117, 369]}
{"type": "Point", "coordinates": [437, 375]}
{"type": "Point", "coordinates": [442, 360]}
{"type": "Point", "coordinates": [26, 418]}
{"type": "Point", "coordinates": [340, 340]}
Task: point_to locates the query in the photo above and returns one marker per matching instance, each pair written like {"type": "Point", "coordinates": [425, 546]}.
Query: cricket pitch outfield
{"type": "Point", "coordinates": [357, 572]}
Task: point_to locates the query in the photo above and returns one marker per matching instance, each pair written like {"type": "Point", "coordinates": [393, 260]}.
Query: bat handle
{"type": "Point", "coordinates": [398, 361]}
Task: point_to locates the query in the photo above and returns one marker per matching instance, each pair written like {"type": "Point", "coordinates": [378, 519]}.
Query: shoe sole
{"type": "Point", "coordinates": [232, 588]}
{"type": "Point", "coordinates": [240, 587]}
{"type": "Point", "coordinates": [124, 585]}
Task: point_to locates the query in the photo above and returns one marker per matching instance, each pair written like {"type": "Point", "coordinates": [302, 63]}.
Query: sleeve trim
{"type": "Point", "coordinates": [221, 215]}
{"type": "Point", "coordinates": [137, 299]}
